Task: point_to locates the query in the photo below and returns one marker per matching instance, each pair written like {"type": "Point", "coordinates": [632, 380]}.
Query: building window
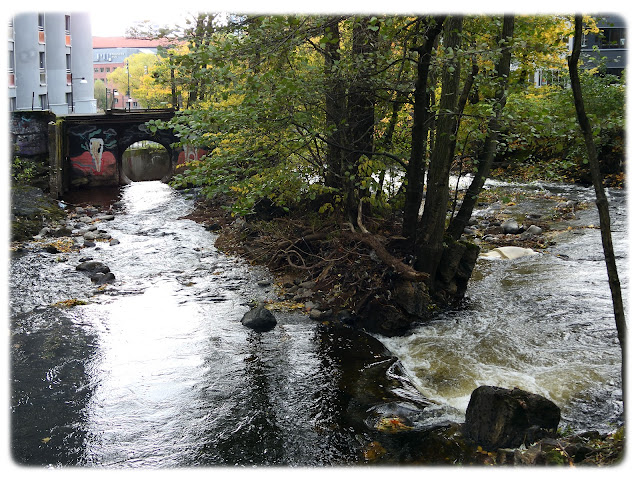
{"type": "Point", "coordinates": [67, 30]}
{"type": "Point", "coordinates": [11, 30]}
{"type": "Point", "coordinates": [41, 28]}
{"type": "Point", "coordinates": [12, 76]}
{"type": "Point", "coordinates": [43, 72]}
{"type": "Point", "coordinates": [69, 99]}
{"type": "Point", "coordinates": [68, 60]}
{"type": "Point", "coordinates": [44, 103]}
{"type": "Point", "coordinates": [611, 38]}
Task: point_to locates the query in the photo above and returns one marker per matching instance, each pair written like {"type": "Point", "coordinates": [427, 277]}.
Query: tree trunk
{"type": "Point", "coordinates": [360, 110]}
{"type": "Point", "coordinates": [431, 230]}
{"type": "Point", "coordinates": [335, 99]}
{"type": "Point", "coordinates": [601, 197]}
{"type": "Point", "coordinates": [417, 163]}
{"type": "Point", "coordinates": [456, 227]}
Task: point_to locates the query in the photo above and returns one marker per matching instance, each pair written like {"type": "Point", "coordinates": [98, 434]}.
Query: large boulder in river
{"type": "Point", "coordinates": [259, 319]}
{"type": "Point", "coordinates": [92, 267]}
{"type": "Point", "coordinates": [502, 418]}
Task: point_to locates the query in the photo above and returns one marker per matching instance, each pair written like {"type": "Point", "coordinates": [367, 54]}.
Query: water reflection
{"type": "Point", "coordinates": [50, 387]}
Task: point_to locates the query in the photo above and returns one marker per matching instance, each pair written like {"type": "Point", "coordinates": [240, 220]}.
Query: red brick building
{"type": "Point", "coordinates": [110, 53]}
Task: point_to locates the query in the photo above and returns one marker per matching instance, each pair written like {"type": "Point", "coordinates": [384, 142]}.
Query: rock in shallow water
{"type": "Point", "coordinates": [259, 319]}
{"type": "Point", "coordinates": [502, 418]}
{"type": "Point", "coordinates": [510, 226]}
{"type": "Point", "coordinates": [93, 267]}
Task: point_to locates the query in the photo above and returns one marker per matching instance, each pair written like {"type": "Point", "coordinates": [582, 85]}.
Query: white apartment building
{"type": "Point", "coordinates": [51, 63]}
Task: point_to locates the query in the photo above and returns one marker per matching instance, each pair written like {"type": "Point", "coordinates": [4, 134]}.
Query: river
{"type": "Point", "coordinates": [542, 323]}
{"type": "Point", "coordinates": [156, 370]}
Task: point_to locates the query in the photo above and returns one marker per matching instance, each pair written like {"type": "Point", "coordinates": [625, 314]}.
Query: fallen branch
{"type": "Point", "coordinates": [398, 266]}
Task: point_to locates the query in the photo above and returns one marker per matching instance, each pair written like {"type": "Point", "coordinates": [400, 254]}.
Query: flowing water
{"type": "Point", "coordinates": [156, 370]}
{"type": "Point", "coordinates": [542, 323]}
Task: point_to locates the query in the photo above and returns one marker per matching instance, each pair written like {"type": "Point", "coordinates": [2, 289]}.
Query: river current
{"type": "Point", "coordinates": [156, 370]}
{"type": "Point", "coordinates": [542, 323]}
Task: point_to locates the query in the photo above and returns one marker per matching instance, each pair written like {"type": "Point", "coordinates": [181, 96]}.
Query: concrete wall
{"type": "Point", "coordinates": [29, 137]}
{"type": "Point", "coordinates": [82, 63]}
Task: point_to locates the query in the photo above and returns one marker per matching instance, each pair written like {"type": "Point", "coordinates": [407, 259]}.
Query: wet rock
{"type": "Point", "coordinates": [114, 241]}
{"type": "Point", "coordinates": [105, 217]}
{"type": "Point", "coordinates": [379, 316]}
{"type": "Point", "coordinates": [310, 305]}
{"type": "Point", "coordinates": [88, 243]}
{"type": "Point", "coordinates": [60, 232]}
{"type": "Point", "coordinates": [102, 278]}
{"type": "Point", "coordinates": [263, 283]}
{"type": "Point", "coordinates": [259, 319]}
{"type": "Point", "coordinates": [413, 297]}
{"type": "Point", "coordinates": [569, 204]}
{"type": "Point", "coordinates": [510, 226]}
{"type": "Point", "coordinates": [502, 418]}
{"type": "Point", "coordinates": [315, 314]}
{"type": "Point", "coordinates": [303, 294]}
{"type": "Point", "coordinates": [50, 249]}
{"type": "Point", "coordinates": [533, 230]}
{"type": "Point", "coordinates": [93, 267]}
{"type": "Point", "coordinates": [213, 227]}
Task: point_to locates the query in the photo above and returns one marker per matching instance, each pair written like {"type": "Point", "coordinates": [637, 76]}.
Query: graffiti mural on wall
{"type": "Point", "coordinates": [92, 152]}
{"type": "Point", "coordinates": [29, 131]}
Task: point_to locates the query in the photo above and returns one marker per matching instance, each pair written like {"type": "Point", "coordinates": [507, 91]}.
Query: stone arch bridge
{"type": "Point", "coordinates": [88, 150]}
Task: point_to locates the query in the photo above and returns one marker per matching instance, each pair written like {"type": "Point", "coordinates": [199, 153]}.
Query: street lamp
{"type": "Point", "coordinates": [83, 81]}
{"type": "Point", "coordinates": [128, 85]}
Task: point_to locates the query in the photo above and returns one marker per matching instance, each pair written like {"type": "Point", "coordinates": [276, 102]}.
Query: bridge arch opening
{"type": "Point", "coordinates": [146, 160]}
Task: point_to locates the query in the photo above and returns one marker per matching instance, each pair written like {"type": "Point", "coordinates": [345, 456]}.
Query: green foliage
{"type": "Point", "coordinates": [544, 133]}
{"type": "Point", "coordinates": [23, 171]}
{"type": "Point", "coordinates": [256, 92]}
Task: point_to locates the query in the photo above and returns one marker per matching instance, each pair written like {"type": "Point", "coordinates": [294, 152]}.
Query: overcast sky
{"type": "Point", "coordinates": [114, 23]}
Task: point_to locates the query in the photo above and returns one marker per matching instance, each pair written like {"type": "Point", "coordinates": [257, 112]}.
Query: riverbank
{"type": "Point", "coordinates": [376, 400]}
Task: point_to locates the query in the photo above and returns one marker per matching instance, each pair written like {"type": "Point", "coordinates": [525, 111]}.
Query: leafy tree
{"type": "Point", "coordinates": [99, 93]}
{"type": "Point", "coordinates": [324, 109]}
{"type": "Point", "coordinates": [601, 197]}
{"type": "Point", "coordinates": [135, 78]}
